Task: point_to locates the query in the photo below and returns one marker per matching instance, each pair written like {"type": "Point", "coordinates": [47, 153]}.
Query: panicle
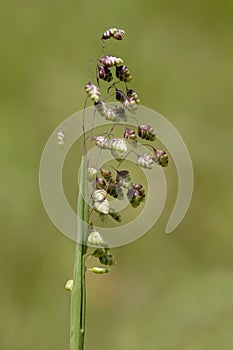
{"type": "Point", "coordinates": [92, 91]}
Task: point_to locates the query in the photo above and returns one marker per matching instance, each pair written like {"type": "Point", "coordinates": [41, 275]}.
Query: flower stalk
{"type": "Point", "coordinates": [78, 295]}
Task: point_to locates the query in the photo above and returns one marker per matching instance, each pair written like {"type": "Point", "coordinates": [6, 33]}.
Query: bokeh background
{"type": "Point", "coordinates": [166, 292]}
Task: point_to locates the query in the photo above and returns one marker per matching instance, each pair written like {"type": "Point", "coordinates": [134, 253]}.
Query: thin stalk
{"type": "Point", "coordinates": [78, 296]}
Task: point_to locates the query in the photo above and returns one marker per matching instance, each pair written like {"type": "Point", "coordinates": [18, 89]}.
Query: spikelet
{"type": "Point", "coordinates": [116, 216]}
{"type": "Point", "coordinates": [130, 105]}
{"type": "Point", "coordinates": [131, 136]}
{"type": "Point", "coordinates": [101, 108]}
{"type": "Point", "coordinates": [61, 138]}
{"type": "Point", "coordinates": [123, 73]}
{"type": "Point", "coordinates": [99, 195]}
{"type": "Point", "coordinates": [161, 158]}
{"type": "Point", "coordinates": [106, 174]}
{"type": "Point", "coordinates": [100, 183]}
{"type": "Point", "coordinates": [107, 259]}
{"type": "Point", "coordinates": [146, 132]}
{"type": "Point", "coordinates": [95, 239]}
{"type": "Point", "coordinates": [110, 61]}
{"type": "Point", "coordinates": [105, 73]}
{"type": "Point", "coordinates": [145, 161]}
{"type": "Point", "coordinates": [118, 145]}
{"type": "Point", "coordinates": [123, 179]}
{"type": "Point", "coordinates": [91, 173]}
{"type": "Point", "coordinates": [102, 207]}
{"type": "Point", "coordinates": [112, 188]}
{"type": "Point", "coordinates": [113, 114]}
{"type": "Point", "coordinates": [120, 96]}
{"type": "Point", "coordinates": [113, 33]}
{"type": "Point", "coordinates": [132, 93]}
{"type": "Point", "coordinates": [69, 285]}
{"type": "Point", "coordinates": [99, 270]}
{"type": "Point", "coordinates": [102, 142]}
{"type": "Point", "coordinates": [92, 91]}
{"type": "Point", "coordinates": [99, 252]}
{"type": "Point", "coordinates": [136, 195]}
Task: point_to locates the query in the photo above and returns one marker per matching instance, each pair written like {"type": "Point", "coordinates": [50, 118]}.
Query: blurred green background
{"type": "Point", "coordinates": [167, 292]}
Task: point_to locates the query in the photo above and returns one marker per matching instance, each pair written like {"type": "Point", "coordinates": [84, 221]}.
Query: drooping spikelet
{"type": "Point", "coordinates": [123, 73]}
{"type": "Point", "coordinates": [145, 161]}
{"type": "Point", "coordinates": [161, 157]}
{"type": "Point", "coordinates": [130, 104]}
{"type": "Point", "coordinates": [132, 93]}
{"type": "Point", "coordinates": [92, 91]}
{"type": "Point", "coordinates": [110, 61]}
{"type": "Point", "coordinates": [146, 132]}
{"type": "Point", "coordinates": [105, 73]}
{"type": "Point", "coordinates": [113, 33]}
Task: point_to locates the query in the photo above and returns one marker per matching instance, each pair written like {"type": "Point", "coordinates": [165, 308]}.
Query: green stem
{"type": "Point", "coordinates": [78, 296]}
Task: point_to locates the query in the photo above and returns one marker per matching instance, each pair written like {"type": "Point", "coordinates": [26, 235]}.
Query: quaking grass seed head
{"type": "Point", "coordinates": [116, 216]}
{"type": "Point", "coordinates": [145, 161]}
{"type": "Point", "coordinates": [146, 132]}
{"type": "Point", "coordinates": [92, 92]}
{"type": "Point", "coordinates": [130, 104]}
{"type": "Point", "coordinates": [107, 259]}
{"type": "Point", "coordinates": [100, 183]}
{"type": "Point", "coordinates": [105, 73]}
{"type": "Point", "coordinates": [99, 195]}
{"type": "Point", "coordinates": [107, 174]}
{"type": "Point", "coordinates": [132, 93]}
{"type": "Point", "coordinates": [110, 61]}
{"type": "Point", "coordinates": [161, 158]}
{"type": "Point", "coordinates": [130, 135]}
{"type": "Point", "coordinates": [136, 195]}
{"type": "Point", "coordinates": [91, 173]}
{"type": "Point", "coordinates": [123, 74]}
{"type": "Point", "coordinates": [115, 33]}
{"type": "Point", "coordinates": [96, 239]}
{"type": "Point", "coordinates": [99, 270]}
{"type": "Point", "coordinates": [120, 96]}
{"type": "Point", "coordinates": [102, 206]}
